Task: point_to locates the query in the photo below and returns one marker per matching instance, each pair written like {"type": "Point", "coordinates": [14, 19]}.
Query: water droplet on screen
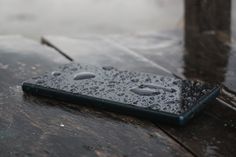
{"type": "Point", "coordinates": [107, 68]}
{"type": "Point", "coordinates": [121, 94]}
{"type": "Point", "coordinates": [144, 91]}
{"type": "Point", "coordinates": [56, 73]}
{"type": "Point", "coordinates": [154, 86]}
{"type": "Point", "coordinates": [135, 80]}
{"type": "Point", "coordinates": [84, 75]}
{"type": "Point", "coordinates": [40, 81]}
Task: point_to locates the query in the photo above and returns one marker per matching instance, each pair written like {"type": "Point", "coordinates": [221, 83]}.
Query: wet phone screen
{"type": "Point", "coordinates": [141, 94]}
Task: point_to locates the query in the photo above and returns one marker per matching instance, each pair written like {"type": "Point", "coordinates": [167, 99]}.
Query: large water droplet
{"type": "Point", "coordinates": [56, 73]}
{"type": "Point", "coordinates": [135, 80]}
{"type": "Point", "coordinates": [144, 91]}
{"type": "Point", "coordinates": [153, 86]}
{"type": "Point", "coordinates": [107, 68]}
{"type": "Point", "coordinates": [84, 75]}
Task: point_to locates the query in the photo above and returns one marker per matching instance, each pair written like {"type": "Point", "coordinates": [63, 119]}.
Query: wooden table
{"type": "Point", "coordinates": [31, 126]}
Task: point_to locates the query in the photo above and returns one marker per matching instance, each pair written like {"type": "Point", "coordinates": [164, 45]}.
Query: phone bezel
{"type": "Point", "coordinates": [123, 108]}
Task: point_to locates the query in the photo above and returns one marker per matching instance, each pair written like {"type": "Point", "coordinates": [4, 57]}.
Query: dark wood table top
{"type": "Point", "coordinates": [31, 126]}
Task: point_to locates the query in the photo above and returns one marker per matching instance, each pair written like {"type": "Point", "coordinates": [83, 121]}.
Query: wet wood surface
{"type": "Point", "coordinates": [210, 134]}
{"type": "Point", "coordinates": [31, 126]}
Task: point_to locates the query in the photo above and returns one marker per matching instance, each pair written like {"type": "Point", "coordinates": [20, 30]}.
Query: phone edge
{"type": "Point", "coordinates": [121, 108]}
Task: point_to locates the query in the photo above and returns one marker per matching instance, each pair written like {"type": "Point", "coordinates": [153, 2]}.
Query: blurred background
{"type": "Point", "coordinates": [34, 18]}
{"type": "Point", "coordinates": [206, 29]}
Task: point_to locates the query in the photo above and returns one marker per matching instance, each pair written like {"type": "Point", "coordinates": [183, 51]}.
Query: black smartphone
{"type": "Point", "coordinates": [161, 98]}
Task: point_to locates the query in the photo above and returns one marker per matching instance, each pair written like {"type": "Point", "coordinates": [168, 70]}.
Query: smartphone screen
{"type": "Point", "coordinates": [145, 91]}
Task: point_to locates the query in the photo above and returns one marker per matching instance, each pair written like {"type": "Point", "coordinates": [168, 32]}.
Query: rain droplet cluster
{"type": "Point", "coordinates": [144, 90]}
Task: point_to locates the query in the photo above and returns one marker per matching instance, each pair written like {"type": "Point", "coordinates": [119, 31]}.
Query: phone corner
{"type": "Point", "coordinates": [182, 120]}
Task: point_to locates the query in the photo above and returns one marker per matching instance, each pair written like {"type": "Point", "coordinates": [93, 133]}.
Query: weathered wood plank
{"type": "Point", "coordinates": [208, 134]}
{"type": "Point", "coordinates": [199, 136]}
{"type": "Point", "coordinates": [31, 126]}
{"type": "Point", "coordinates": [95, 50]}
